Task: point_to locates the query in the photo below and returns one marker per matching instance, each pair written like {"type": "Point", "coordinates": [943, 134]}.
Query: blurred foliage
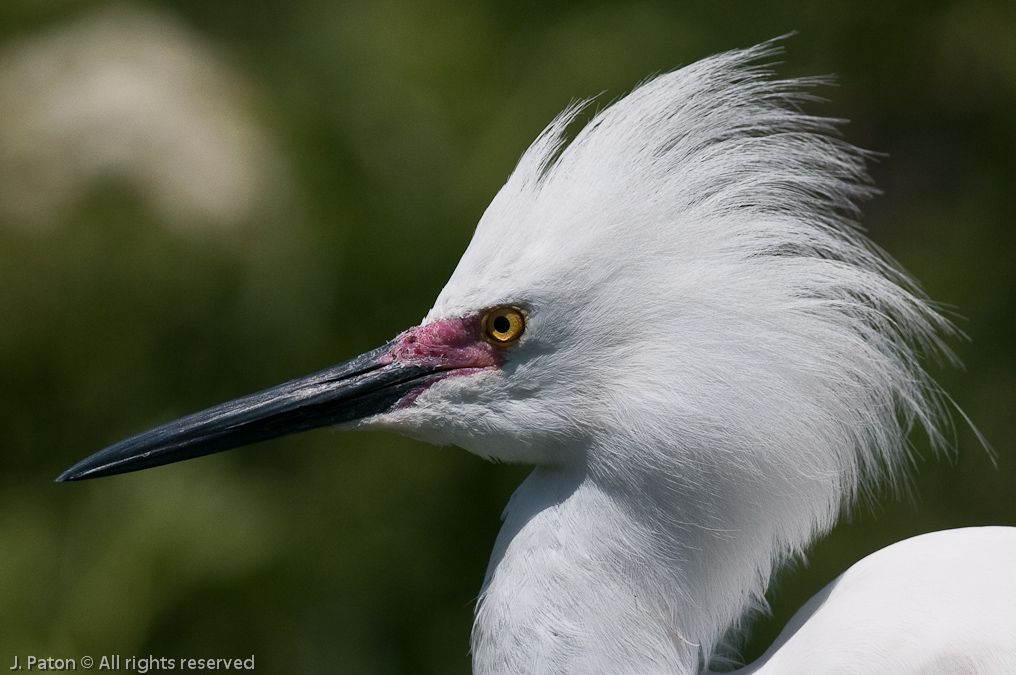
{"type": "Point", "coordinates": [395, 122]}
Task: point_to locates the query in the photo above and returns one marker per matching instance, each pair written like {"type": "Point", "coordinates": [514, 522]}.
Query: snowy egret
{"type": "Point", "coordinates": [676, 319]}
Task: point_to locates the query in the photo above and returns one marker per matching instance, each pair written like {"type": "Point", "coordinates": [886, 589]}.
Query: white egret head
{"type": "Point", "coordinates": [695, 283]}
{"type": "Point", "coordinates": [675, 316]}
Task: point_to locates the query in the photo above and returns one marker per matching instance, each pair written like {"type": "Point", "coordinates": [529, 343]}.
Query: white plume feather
{"type": "Point", "coordinates": [711, 338]}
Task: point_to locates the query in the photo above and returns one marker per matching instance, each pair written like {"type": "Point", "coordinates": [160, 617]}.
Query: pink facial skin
{"type": "Point", "coordinates": [455, 344]}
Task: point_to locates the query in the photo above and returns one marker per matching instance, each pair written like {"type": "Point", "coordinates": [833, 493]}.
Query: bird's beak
{"type": "Point", "coordinates": [369, 384]}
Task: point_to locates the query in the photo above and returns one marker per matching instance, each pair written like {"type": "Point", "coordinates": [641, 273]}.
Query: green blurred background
{"type": "Point", "coordinates": [202, 198]}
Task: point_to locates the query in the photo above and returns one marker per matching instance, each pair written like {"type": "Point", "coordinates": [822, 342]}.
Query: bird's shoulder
{"type": "Point", "coordinates": [935, 604]}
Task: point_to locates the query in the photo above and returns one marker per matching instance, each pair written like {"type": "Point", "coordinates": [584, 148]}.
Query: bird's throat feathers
{"type": "Point", "coordinates": [576, 567]}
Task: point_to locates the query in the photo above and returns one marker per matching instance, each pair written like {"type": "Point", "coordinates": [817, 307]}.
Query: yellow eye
{"type": "Point", "coordinates": [503, 325]}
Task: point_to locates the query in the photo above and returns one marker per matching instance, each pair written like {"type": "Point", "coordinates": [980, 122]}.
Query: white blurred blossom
{"type": "Point", "coordinates": [130, 93]}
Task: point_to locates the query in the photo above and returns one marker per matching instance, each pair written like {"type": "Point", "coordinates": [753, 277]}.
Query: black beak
{"type": "Point", "coordinates": [367, 385]}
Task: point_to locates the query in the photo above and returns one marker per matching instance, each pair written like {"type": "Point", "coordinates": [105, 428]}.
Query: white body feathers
{"type": "Point", "coordinates": [937, 604]}
{"type": "Point", "coordinates": [716, 362]}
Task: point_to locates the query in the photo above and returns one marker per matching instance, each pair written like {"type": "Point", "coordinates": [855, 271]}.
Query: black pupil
{"type": "Point", "coordinates": [502, 324]}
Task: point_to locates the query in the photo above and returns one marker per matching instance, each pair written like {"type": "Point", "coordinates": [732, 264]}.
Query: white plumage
{"type": "Point", "coordinates": [937, 604]}
{"type": "Point", "coordinates": [708, 363]}
{"type": "Point", "coordinates": [717, 362]}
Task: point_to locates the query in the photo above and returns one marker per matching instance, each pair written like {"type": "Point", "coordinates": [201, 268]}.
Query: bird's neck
{"type": "Point", "coordinates": [580, 582]}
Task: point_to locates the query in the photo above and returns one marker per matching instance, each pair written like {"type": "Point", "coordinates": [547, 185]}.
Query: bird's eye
{"type": "Point", "coordinates": [503, 325]}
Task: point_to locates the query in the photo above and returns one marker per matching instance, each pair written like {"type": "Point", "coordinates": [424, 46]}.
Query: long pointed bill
{"type": "Point", "coordinates": [367, 385]}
